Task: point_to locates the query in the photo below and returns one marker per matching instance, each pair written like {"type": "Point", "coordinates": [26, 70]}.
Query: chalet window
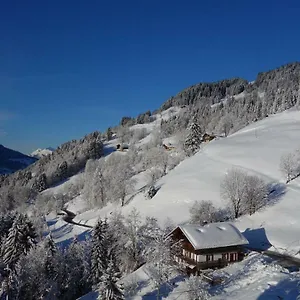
{"type": "Point", "coordinates": [184, 252]}
{"type": "Point", "coordinates": [233, 256]}
{"type": "Point", "coordinates": [209, 257]}
{"type": "Point", "coordinates": [225, 256]}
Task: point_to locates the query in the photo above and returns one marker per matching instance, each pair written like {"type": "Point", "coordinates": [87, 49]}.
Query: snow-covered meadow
{"type": "Point", "coordinates": [256, 149]}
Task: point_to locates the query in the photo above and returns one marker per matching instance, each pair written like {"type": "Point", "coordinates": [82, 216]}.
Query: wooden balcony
{"type": "Point", "coordinates": [220, 263]}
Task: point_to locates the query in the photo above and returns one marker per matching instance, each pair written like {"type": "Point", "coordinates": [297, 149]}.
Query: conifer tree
{"type": "Point", "coordinates": [21, 238]}
{"type": "Point", "coordinates": [50, 257]}
{"type": "Point", "coordinates": [101, 244]}
{"type": "Point", "coordinates": [74, 278]}
{"type": "Point", "coordinates": [193, 139]}
{"type": "Point", "coordinates": [109, 289]}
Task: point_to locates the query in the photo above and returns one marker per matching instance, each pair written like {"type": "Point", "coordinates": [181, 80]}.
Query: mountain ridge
{"type": "Point", "coordinates": [12, 160]}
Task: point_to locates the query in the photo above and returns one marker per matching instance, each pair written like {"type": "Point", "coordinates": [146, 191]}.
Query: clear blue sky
{"type": "Point", "coordinates": [68, 68]}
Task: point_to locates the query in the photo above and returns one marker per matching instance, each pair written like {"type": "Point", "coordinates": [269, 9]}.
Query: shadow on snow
{"type": "Point", "coordinates": [164, 290]}
{"type": "Point", "coordinates": [257, 239]}
{"type": "Point", "coordinates": [82, 237]}
{"type": "Point", "coordinates": [286, 289]}
{"type": "Point", "coordinates": [276, 191]}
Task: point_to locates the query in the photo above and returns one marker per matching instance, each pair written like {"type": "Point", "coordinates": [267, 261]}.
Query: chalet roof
{"type": "Point", "coordinates": [214, 235]}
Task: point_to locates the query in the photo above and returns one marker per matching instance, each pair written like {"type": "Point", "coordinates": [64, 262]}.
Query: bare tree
{"type": "Point", "coordinates": [255, 196]}
{"type": "Point", "coordinates": [161, 262]}
{"type": "Point", "coordinates": [156, 139]}
{"type": "Point", "coordinates": [153, 175]}
{"type": "Point", "coordinates": [99, 185]}
{"type": "Point", "coordinates": [202, 212]}
{"type": "Point", "coordinates": [139, 134]}
{"type": "Point", "coordinates": [232, 190]}
{"type": "Point", "coordinates": [290, 165]}
{"type": "Point", "coordinates": [225, 124]}
{"type": "Point", "coordinates": [133, 248]}
{"type": "Point", "coordinates": [96, 183]}
{"type": "Point", "coordinates": [157, 157]}
{"type": "Point", "coordinates": [120, 173]}
{"type": "Point", "coordinates": [124, 134]}
{"type": "Point", "coordinates": [245, 193]}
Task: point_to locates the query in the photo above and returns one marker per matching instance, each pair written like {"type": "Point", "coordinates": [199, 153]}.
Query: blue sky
{"type": "Point", "coordinates": [71, 67]}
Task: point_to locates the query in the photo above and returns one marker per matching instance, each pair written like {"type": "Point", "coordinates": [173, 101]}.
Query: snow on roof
{"type": "Point", "coordinates": [213, 235]}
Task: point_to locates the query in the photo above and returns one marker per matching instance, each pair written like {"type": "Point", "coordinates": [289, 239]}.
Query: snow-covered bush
{"type": "Point", "coordinates": [196, 288]}
{"type": "Point", "coordinates": [139, 134]}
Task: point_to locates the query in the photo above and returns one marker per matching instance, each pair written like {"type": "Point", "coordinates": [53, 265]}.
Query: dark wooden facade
{"type": "Point", "coordinates": [199, 259]}
{"type": "Point", "coordinates": [208, 137]}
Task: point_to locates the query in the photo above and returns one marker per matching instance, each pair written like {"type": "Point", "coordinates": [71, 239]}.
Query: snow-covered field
{"type": "Point", "coordinates": [256, 149]}
{"type": "Point", "coordinates": [256, 277]}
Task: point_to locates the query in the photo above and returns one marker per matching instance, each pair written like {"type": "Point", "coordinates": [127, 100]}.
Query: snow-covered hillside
{"type": "Point", "coordinates": [256, 149]}
{"type": "Point", "coordinates": [257, 277]}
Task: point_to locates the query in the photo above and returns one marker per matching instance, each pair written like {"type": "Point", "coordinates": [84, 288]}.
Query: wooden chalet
{"type": "Point", "coordinates": [213, 245]}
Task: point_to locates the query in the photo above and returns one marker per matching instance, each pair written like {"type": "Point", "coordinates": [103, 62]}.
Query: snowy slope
{"type": "Point", "coordinates": [256, 277]}
{"type": "Point", "coordinates": [256, 149]}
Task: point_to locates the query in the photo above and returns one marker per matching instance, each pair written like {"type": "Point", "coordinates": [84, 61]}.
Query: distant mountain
{"type": "Point", "coordinates": [11, 160]}
{"type": "Point", "coordinates": [39, 153]}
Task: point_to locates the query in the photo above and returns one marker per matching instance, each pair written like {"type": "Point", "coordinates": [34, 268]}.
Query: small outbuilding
{"type": "Point", "coordinates": [207, 137]}
{"type": "Point", "coordinates": [122, 147]}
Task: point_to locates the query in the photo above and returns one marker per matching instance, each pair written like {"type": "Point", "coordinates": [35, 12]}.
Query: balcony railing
{"type": "Point", "coordinates": [205, 264]}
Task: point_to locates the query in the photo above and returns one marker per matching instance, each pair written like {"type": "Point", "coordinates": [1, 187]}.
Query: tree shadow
{"type": "Point", "coordinates": [52, 222]}
{"type": "Point", "coordinates": [257, 239]}
{"type": "Point", "coordinates": [108, 150]}
{"type": "Point", "coordinates": [276, 191]}
{"type": "Point", "coordinates": [286, 289]}
{"type": "Point", "coordinates": [60, 231]}
{"type": "Point", "coordinates": [82, 237]}
{"type": "Point", "coordinates": [164, 290]}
